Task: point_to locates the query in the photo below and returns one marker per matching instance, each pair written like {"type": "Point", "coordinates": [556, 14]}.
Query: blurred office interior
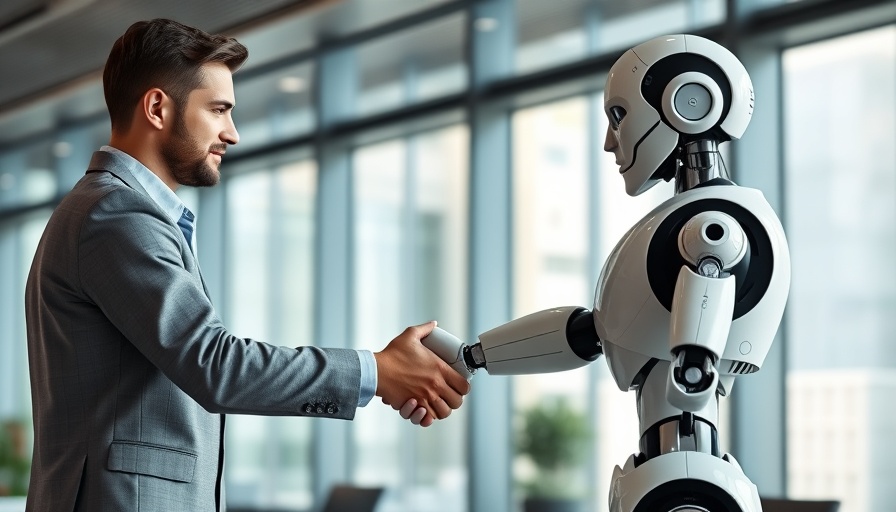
{"type": "Point", "coordinates": [407, 160]}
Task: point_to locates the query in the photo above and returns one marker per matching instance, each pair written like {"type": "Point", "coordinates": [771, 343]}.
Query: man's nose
{"type": "Point", "coordinates": [230, 135]}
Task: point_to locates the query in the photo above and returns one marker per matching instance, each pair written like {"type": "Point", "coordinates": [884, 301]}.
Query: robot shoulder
{"type": "Point", "coordinates": [748, 211]}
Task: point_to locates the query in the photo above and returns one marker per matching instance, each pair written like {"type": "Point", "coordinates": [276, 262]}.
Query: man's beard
{"type": "Point", "coordinates": [186, 160]}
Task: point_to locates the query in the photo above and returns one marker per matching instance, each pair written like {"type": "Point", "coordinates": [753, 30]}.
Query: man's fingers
{"type": "Point", "coordinates": [453, 400]}
{"type": "Point", "coordinates": [457, 382]}
{"type": "Point", "coordinates": [421, 331]}
{"type": "Point", "coordinates": [441, 409]}
{"type": "Point", "coordinates": [457, 386]}
{"type": "Point", "coordinates": [408, 408]}
{"type": "Point", "coordinates": [417, 416]}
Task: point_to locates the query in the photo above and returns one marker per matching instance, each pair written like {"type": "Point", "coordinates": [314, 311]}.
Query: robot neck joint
{"type": "Point", "coordinates": [701, 162]}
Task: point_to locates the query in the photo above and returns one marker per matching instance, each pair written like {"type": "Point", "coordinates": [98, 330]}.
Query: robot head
{"type": "Point", "coordinates": [669, 91]}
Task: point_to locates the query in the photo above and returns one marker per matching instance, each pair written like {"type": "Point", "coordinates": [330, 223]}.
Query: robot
{"type": "Point", "coordinates": [688, 300]}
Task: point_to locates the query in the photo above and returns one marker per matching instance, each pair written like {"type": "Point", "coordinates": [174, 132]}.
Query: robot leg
{"type": "Point", "coordinates": [683, 482]}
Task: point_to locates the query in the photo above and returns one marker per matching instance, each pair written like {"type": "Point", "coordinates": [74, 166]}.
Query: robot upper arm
{"type": "Point", "coordinates": [711, 243]}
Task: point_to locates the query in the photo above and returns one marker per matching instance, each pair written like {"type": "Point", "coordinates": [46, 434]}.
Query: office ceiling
{"type": "Point", "coordinates": [45, 44]}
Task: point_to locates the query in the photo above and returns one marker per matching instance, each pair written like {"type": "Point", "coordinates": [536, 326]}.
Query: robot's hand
{"type": "Point", "coordinates": [450, 349]}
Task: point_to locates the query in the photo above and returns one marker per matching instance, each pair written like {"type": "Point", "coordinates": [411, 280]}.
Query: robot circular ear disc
{"type": "Point", "coordinates": [692, 102]}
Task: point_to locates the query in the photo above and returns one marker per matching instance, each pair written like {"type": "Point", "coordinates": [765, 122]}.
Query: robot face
{"type": "Point", "coordinates": [667, 91]}
{"type": "Point", "coordinates": [636, 134]}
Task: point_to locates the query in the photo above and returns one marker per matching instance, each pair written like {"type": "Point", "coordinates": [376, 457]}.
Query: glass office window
{"type": "Point", "coordinates": [18, 242]}
{"type": "Point", "coordinates": [840, 124]}
{"type": "Point", "coordinates": [273, 107]}
{"type": "Point", "coordinates": [9, 298]}
{"type": "Point", "coordinates": [410, 239]}
{"type": "Point", "coordinates": [27, 175]}
{"type": "Point", "coordinates": [413, 66]}
{"type": "Point", "coordinates": [269, 254]}
{"type": "Point", "coordinates": [570, 210]}
{"type": "Point", "coordinates": [552, 33]}
{"type": "Point", "coordinates": [73, 148]}
{"type": "Point", "coordinates": [550, 268]}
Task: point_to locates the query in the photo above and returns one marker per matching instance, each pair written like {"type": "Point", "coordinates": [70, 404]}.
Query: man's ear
{"type": "Point", "coordinates": [156, 107]}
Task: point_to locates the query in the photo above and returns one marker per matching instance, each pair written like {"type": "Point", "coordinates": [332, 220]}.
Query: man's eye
{"type": "Point", "coordinates": [617, 113]}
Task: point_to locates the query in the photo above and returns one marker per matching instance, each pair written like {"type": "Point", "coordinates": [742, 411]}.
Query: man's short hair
{"type": "Point", "coordinates": [165, 54]}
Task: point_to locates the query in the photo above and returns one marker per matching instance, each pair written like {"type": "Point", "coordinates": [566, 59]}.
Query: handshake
{"type": "Point", "coordinates": [414, 378]}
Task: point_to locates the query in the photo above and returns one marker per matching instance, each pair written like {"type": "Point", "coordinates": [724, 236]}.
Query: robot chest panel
{"type": "Point", "coordinates": [624, 293]}
{"type": "Point", "coordinates": [634, 293]}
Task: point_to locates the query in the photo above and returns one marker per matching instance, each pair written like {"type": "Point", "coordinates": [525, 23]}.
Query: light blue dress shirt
{"type": "Point", "coordinates": [173, 207]}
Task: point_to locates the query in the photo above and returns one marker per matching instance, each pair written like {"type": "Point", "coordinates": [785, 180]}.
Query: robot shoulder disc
{"type": "Point", "coordinates": [734, 223]}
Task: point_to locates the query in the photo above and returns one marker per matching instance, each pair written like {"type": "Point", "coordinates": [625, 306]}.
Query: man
{"type": "Point", "coordinates": [131, 369]}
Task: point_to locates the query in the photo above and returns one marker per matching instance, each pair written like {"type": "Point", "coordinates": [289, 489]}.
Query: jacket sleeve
{"type": "Point", "coordinates": [131, 265]}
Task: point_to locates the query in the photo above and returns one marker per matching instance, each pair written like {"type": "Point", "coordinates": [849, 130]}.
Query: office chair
{"type": "Point", "coordinates": [347, 498]}
{"type": "Point", "coordinates": [778, 505]}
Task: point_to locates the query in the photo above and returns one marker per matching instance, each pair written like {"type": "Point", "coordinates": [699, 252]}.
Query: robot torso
{"type": "Point", "coordinates": [636, 287]}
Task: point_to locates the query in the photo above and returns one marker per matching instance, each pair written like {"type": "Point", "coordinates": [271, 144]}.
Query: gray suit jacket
{"type": "Point", "coordinates": [131, 369]}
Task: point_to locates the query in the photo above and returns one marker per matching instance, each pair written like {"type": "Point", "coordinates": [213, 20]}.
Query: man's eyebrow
{"type": "Point", "coordinates": [222, 103]}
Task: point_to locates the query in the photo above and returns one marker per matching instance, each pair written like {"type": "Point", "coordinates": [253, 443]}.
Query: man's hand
{"type": "Point", "coordinates": [410, 377]}
{"type": "Point", "coordinates": [417, 415]}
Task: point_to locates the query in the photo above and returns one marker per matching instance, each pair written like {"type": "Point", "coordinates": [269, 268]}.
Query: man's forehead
{"type": "Point", "coordinates": [216, 79]}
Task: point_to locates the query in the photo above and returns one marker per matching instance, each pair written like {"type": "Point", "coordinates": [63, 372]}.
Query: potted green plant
{"type": "Point", "coordinates": [555, 437]}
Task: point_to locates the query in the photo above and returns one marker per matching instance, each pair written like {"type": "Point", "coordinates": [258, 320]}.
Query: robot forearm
{"type": "Point", "coordinates": [548, 341]}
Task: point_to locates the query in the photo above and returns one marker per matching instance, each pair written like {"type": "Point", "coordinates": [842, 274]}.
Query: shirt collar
{"type": "Point", "coordinates": [163, 196]}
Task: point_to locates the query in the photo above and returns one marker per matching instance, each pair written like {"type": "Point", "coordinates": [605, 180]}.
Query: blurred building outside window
{"type": "Point", "coordinates": [840, 177]}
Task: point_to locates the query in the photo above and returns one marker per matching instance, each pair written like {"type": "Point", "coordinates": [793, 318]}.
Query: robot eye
{"type": "Point", "coordinates": [617, 113]}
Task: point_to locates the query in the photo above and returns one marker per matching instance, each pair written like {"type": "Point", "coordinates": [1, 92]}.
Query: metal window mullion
{"type": "Point", "coordinates": [490, 56]}
{"type": "Point", "coordinates": [274, 267]}
{"type": "Point", "coordinates": [335, 91]}
{"type": "Point", "coordinates": [409, 285]}
{"type": "Point", "coordinates": [276, 289]}
{"type": "Point", "coordinates": [759, 441]}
